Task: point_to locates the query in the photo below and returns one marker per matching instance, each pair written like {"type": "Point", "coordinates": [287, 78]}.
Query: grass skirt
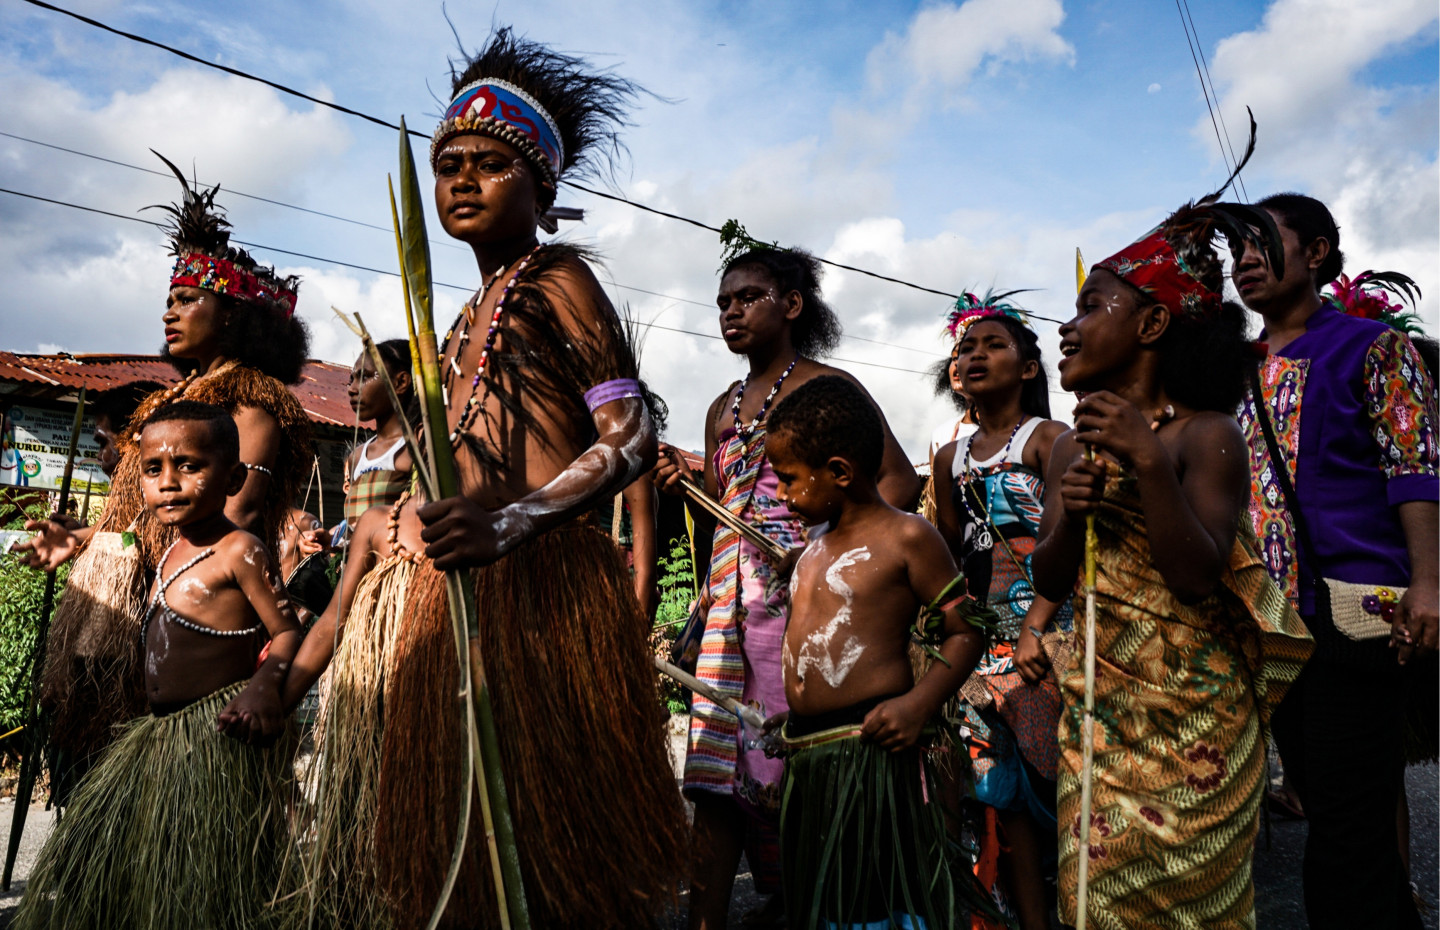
{"type": "Point", "coordinates": [334, 863]}
{"type": "Point", "coordinates": [177, 826]}
{"type": "Point", "coordinates": [597, 814]}
{"type": "Point", "coordinates": [863, 838]}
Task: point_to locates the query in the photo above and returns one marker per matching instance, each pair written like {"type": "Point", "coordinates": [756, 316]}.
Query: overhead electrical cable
{"type": "Point", "coordinates": [382, 271]}
{"type": "Point", "coordinates": [282, 203]}
{"type": "Point", "coordinates": [1200, 47]}
{"type": "Point", "coordinates": [420, 135]}
{"type": "Point", "coordinates": [1205, 90]}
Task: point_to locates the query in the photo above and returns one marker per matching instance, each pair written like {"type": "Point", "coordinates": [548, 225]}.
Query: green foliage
{"type": "Point", "coordinates": [735, 241]}
{"type": "Point", "coordinates": [22, 590]}
{"type": "Point", "coordinates": [678, 589]}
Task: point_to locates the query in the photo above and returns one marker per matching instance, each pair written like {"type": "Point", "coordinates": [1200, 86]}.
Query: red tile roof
{"type": "Point", "coordinates": [321, 391]}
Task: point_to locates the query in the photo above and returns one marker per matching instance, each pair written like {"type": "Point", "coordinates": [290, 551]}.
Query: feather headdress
{"type": "Point", "coordinates": [969, 309]}
{"type": "Point", "coordinates": [204, 258]}
{"type": "Point", "coordinates": [561, 114]}
{"type": "Point", "coordinates": [1176, 263]}
{"type": "Point", "coordinates": [1367, 295]}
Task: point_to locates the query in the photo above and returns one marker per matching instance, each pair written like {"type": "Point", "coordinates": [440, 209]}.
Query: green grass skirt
{"type": "Point", "coordinates": [177, 826]}
{"type": "Point", "coordinates": [863, 837]}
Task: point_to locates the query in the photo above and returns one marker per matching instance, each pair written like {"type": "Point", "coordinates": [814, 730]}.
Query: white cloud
{"type": "Point", "coordinates": [1153, 89]}
{"type": "Point", "coordinates": [946, 44]}
{"type": "Point", "coordinates": [1329, 131]}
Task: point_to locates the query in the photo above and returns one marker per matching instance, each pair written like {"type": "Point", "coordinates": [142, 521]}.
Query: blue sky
{"type": "Point", "coordinates": [958, 145]}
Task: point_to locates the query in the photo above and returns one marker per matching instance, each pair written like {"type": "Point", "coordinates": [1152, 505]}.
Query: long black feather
{"type": "Point", "coordinates": [1401, 285]}
{"type": "Point", "coordinates": [1244, 160]}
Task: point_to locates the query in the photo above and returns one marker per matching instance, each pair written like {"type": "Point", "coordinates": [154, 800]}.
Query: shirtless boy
{"type": "Point", "coordinates": [178, 826]}
{"type": "Point", "coordinates": [857, 716]}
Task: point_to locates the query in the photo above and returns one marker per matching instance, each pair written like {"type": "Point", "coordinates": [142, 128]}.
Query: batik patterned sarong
{"type": "Point", "coordinates": [1182, 693]}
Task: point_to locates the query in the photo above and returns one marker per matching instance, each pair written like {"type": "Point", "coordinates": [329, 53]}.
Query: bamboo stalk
{"type": "Point", "coordinates": [482, 741]}
{"type": "Point", "coordinates": [744, 711]}
{"type": "Point", "coordinates": [1087, 724]}
{"type": "Point", "coordinates": [759, 540]}
{"type": "Point", "coordinates": [36, 733]}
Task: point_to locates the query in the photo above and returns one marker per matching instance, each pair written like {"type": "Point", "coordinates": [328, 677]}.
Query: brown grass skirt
{"type": "Point", "coordinates": [598, 817]}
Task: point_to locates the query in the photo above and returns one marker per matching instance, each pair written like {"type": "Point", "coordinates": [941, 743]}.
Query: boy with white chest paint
{"type": "Point", "coordinates": [862, 841]}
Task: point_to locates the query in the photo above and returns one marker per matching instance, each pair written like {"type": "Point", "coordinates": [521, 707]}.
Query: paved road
{"type": "Point", "coordinates": [1277, 869]}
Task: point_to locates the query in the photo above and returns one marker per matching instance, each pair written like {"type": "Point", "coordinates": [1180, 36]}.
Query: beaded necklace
{"type": "Point", "coordinates": [158, 601]}
{"type": "Point", "coordinates": [745, 432]}
{"type": "Point", "coordinates": [472, 405]}
{"type": "Point", "coordinates": [980, 534]}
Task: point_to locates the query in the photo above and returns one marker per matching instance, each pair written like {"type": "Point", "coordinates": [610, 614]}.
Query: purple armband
{"type": "Point", "coordinates": [619, 389]}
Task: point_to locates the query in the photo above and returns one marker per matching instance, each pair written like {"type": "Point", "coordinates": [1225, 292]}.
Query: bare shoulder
{"type": "Point", "coordinates": [718, 406]}
{"type": "Point", "coordinates": [249, 418]}
{"type": "Point", "coordinates": [912, 530]}
{"type": "Point", "coordinates": [1210, 439]}
{"type": "Point", "coordinates": [574, 292]}
{"type": "Point", "coordinates": [243, 552]}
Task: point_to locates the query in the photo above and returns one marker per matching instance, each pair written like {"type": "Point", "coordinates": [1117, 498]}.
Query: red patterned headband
{"type": "Point", "coordinates": [1153, 266]}
{"type": "Point", "coordinates": [196, 269]}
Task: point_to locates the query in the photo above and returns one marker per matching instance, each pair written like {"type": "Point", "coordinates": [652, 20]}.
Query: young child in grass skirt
{"type": "Point", "coordinates": [547, 417]}
{"type": "Point", "coordinates": [863, 837]}
{"type": "Point", "coordinates": [1194, 643]}
{"type": "Point", "coordinates": [231, 330]}
{"type": "Point", "coordinates": [181, 823]}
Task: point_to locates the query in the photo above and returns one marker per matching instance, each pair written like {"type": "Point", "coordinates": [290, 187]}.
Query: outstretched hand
{"type": "Point", "coordinates": [51, 545]}
{"type": "Point", "coordinates": [459, 533]}
{"type": "Point", "coordinates": [669, 469]}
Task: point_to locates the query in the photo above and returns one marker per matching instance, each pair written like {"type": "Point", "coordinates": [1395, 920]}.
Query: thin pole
{"type": "Point", "coordinates": [1087, 724]}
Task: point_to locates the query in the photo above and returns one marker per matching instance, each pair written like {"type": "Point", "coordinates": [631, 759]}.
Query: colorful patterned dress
{"type": "Point", "coordinates": [740, 651]}
{"type": "Point", "coordinates": [1181, 695]}
{"type": "Point", "coordinates": [1009, 720]}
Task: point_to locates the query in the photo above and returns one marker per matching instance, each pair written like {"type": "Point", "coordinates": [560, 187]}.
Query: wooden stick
{"type": "Point", "coordinates": [744, 711]}
{"type": "Point", "coordinates": [759, 540]}
{"type": "Point", "coordinates": [1087, 723]}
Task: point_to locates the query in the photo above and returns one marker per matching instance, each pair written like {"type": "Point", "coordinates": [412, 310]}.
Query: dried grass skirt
{"type": "Point", "coordinates": [176, 827]}
{"type": "Point", "coordinates": [598, 817]}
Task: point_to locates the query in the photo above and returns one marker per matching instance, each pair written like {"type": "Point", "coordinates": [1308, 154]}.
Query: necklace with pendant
{"type": "Point", "coordinates": [980, 537]}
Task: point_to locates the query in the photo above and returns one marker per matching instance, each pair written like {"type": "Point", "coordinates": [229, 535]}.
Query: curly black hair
{"type": "Point", "coordinates": [224, 435]}
{"type": "Point", "coordinates": [830, 416]}
{"type": "Point", "coordinates": [816, 332]}
{"type": "Point", "coordinates": [939, 372]}
{"type": "Point", "coordinates": [589, 106]}
{"type": "Point", "coordinates": [261, 336]}
{"type": "Point", "coordinates": [1311, 220]}
{"type": "Point", "coordinates": [1204, 359]}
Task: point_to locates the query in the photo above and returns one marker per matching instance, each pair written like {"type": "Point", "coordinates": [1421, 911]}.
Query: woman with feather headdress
{"type": "Point", "coordinates": [231, 330]}
{"type": "Point", "coordinates": [1194, 646]}
{"type": "Point", "coordinates": [1344, 497]}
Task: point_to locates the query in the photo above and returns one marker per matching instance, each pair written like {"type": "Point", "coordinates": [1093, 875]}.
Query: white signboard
{"type": "Point", "coordinates": [33, 444]}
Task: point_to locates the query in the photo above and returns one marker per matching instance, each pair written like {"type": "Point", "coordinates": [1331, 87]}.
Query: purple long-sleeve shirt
{"type": "Point", "coordinates": [1354, 414]}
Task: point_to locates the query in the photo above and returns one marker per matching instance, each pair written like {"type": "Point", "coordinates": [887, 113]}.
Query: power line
{"type": "Point", "coordinates": [1219, 112]}
{"type": "Point", "coordinates": [228, 190]}
{"type": "Point", "coordinates": [393, 274]}
{"type": "Point", "coordinates": [1204, 89]}
{"type": "Point", "coordinates": [281, 203]}
{"type": "Point", "coordinates": [419, 135]}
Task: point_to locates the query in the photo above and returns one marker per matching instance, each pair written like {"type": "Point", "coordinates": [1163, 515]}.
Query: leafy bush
{"type": "Point", "coordinates": [22, 590]}
{"type": "Point", "coordinates": [678, 589]}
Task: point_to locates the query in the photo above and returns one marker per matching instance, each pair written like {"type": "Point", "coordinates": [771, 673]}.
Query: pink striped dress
{"type": "Point", "coordinates": [744, 633]}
